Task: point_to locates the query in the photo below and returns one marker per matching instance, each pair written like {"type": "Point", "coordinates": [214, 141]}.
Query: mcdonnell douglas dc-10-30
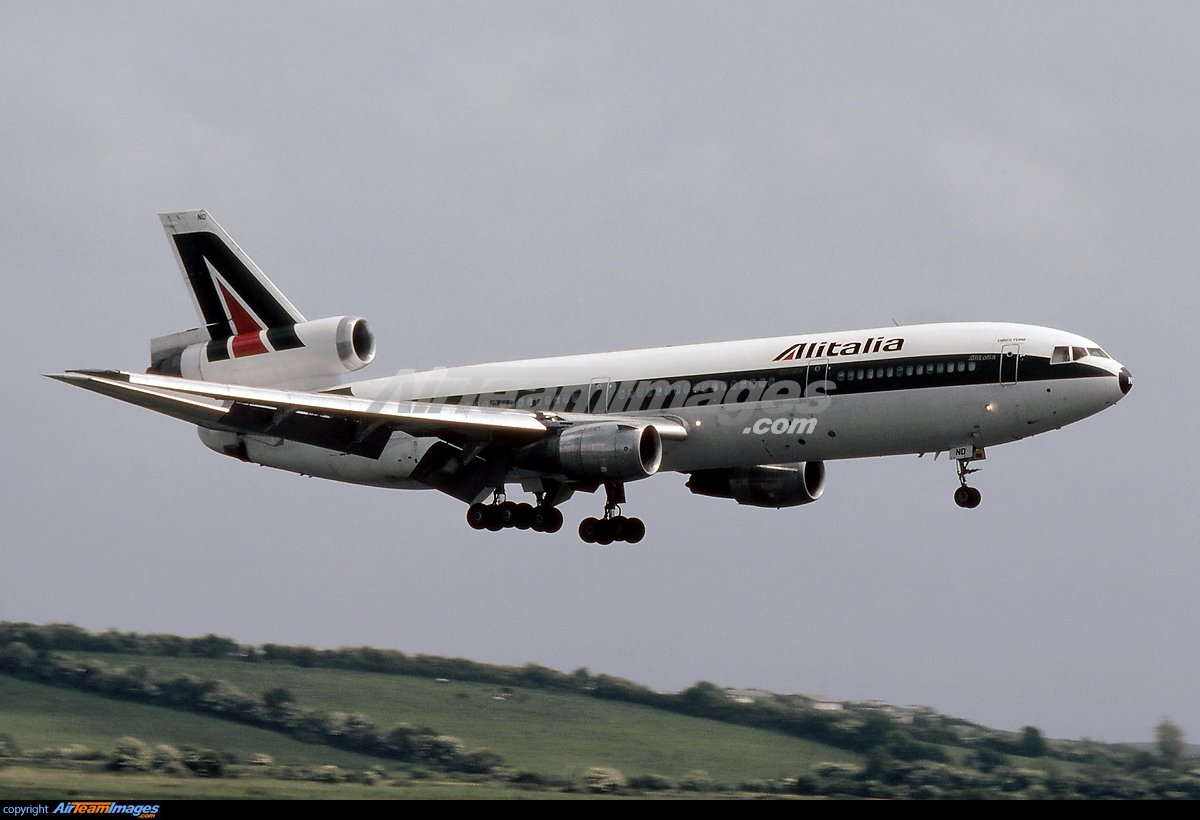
{"type": "Point", "coordinates": [753, 421]}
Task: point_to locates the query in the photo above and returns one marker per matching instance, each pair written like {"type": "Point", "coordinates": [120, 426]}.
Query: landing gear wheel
{"type": "Point", "coordinates": [617, 526]}
{"type": "Point", "coordinates": [604, 532]}
{"type": "Point", "coordinates": [493, 523]}
{"type": "Point", "coordinates": [477, 516]}
{"type": "Point", "coordinates": [587, 530]}
{"type": "Point", "coordinates": [524, 517]}
{"type": "Point", "coordinates": [554, 520]}
{"type": "Point", "coordinates": [635, 530]}
{"type": "Point", "coordinates": [964, 496]}
{"type": "Point", "coordinates": [613, 526]}
{"type": "Point", "coordinates": [508, 513]}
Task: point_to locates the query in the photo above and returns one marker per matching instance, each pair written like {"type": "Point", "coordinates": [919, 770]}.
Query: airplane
{"type": "Point", "coordinates": [752, 421]}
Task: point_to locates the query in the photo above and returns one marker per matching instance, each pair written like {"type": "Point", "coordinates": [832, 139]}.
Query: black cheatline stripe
{"type": "Point", "coordinates": [217, 350]}
{"type": "Point", "coordinates": [284, 338]}
{"type": "Point", "coordinates": [194, 248]}
{"type": "Point", "coordinates": [987, 371]}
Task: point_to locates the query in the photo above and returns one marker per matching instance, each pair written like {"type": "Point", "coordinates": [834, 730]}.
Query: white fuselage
{"type": "Point", "coordinates": [817, 397]}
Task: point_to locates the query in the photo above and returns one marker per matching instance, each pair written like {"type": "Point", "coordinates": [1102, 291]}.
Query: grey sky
{"type": "Point", "coordinates": [492, 181]}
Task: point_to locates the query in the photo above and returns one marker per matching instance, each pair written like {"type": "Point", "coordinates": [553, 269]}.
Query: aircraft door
{"type": "Point", "coordinates": [817, 384]}
{"type": "Point", "coordinates": [599, 396]}
{"type": "Point", "coordinates": [1009, 357]}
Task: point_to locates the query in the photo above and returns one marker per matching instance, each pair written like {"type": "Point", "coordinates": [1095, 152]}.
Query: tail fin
{"type": "Point", "coordinates": [251, 333]}
{"type": "Point", "coordinates": [232, 295]}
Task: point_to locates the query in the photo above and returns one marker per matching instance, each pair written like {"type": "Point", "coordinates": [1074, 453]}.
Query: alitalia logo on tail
{"type": "Point", "coordinates": [817, 350]}
{"type": "Point", "coordinates": [243, 313]}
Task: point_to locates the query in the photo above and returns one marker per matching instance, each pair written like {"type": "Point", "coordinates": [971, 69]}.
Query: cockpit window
{"type": "Point", "coordinates": [1095, 351]}
{"type": "Point", "coordinates": [1060, 355]}
{"type": "Point", "coordinates": [1078, 353]}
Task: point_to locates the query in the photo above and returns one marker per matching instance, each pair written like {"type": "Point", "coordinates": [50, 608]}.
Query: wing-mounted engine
{"type": "Point", "coordinates": [606, 451]}
{"type": "Point", "coordinates": [304, 356]}
{"type": "Point", "coordinates": [768, 485]}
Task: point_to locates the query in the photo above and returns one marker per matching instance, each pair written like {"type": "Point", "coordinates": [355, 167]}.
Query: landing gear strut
{"type": "Point", "coordinates": [965, 496]}
{"type": "Point", "coordinates": [613, 526]}
{"type": "Point", "coordinates": [502, 513]}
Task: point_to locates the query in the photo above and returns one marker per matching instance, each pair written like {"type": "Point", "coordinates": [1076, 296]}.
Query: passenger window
{"type": "Point", "coordinates": [971, 366]}
{"type": "Point", "coordinates": [941, 368]}
{"type": "Point", "coordinates": [908, 371]}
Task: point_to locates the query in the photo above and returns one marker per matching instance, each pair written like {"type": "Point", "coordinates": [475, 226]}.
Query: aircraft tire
{"type": "Point", "coordinates": [508, 514]}
{"type": "Point", "coordinates": [635, 530]}
{"type": "Point", "coordinates": [587, 530]}
{"type": "Point", "coordinates": [617, 527]}
{"type": "Point", "coordinates": [477, 516]}
{"type": "Point", "coordinates": [494, 524]}
{"type": "Point", "coordinates": [604, 532]}
{"type": "Point", "coordinates": [976, 497]}
{"type": "Point", "coordinates": [547, 519]}
{"type": "Point", "coordinates": [964, 495]}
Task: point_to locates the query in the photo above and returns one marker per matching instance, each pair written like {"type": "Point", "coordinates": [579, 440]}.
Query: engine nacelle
{"type": "Point", "coordinates": [303, 356]}
{"type": "Point", "coordinates": [601, 451]}
{"type": "Point", "coordinates": [768, 485]}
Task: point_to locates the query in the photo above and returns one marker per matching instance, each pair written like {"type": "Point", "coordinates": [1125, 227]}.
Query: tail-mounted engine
{"type": "Point", "coordinates": [305, 356]}
{"type": "Point", "coordinates": [769, 485]}
{"type": "Point", "coordinates": [603, 451]}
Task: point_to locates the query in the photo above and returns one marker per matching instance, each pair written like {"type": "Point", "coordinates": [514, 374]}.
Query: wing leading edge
{"type": "Point", "coordinates": [349, 424]}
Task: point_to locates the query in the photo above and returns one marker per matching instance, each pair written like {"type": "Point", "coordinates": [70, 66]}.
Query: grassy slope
{"type": "Point", "coordinates": [533, 730]}
{"type": "Point", "coordinates": [38, 717]}
{"type": "Point", "coordinates": [25, 783]}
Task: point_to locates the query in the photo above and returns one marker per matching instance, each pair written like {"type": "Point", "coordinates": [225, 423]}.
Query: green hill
{"type": "Point", "coordinates": [539, 731]}
{"type": "Point", "coordinates": [284, 721]}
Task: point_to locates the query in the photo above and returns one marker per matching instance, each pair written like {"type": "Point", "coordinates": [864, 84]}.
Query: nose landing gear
{"type": "Point", "coordinates": [964, 496]}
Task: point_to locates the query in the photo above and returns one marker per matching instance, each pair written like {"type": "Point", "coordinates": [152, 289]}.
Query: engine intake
{"type": "Point", "coordinates": [604, 451]}
{"type": "Point", "coordinates": [768, 485]}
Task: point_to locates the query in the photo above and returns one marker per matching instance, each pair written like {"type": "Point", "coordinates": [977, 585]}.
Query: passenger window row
{"type": "Point", "coordinates": [908, 370]}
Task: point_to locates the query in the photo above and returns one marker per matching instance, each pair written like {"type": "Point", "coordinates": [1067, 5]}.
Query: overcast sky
{"type": "Point", "coordinates": [488, 181]}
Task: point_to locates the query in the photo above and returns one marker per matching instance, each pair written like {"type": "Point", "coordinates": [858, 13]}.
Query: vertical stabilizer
{"type": "Point", "coordinates": [232, 295]}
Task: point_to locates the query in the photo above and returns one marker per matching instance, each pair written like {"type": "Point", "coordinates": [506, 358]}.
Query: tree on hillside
{"type": "Point", "coordinates": [1169, 739]}
{"type": "Point", "coordinates": [273, 699]}
{"type": "Point", "coordinates": [1032, 743]}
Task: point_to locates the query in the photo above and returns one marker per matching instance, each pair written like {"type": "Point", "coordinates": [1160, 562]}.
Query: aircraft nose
{"type": "Point", "coordinates": [1125, 381]}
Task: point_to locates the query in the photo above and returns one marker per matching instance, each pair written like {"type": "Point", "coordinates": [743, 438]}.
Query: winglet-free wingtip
{"type": "Point", "coordinates": [83, 375]}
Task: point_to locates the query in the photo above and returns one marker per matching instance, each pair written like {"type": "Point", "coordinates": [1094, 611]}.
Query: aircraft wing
{"type": "Point", "coordinates": [350, 424]}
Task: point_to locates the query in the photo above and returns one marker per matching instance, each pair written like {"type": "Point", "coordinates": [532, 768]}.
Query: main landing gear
{"type": "Point", "coordinates": [613, 526]}
{"type": "Point", "coordinates": [501, 514]}
{"type": "Point", "coordinates": [965, 496]}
